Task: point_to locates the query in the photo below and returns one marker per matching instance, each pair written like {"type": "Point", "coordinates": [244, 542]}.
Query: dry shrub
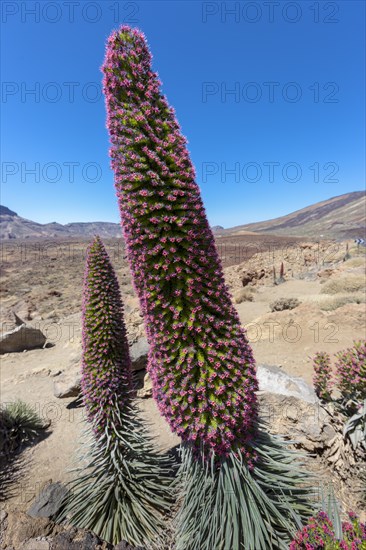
{"type": "Point", "coordinates": [244, 295]}
{"type": "Point", "coordinates": [284, 303]}
{"type": "Point", "coordinates": [355, 262]}
{"type": "Point", "coordinates": [334, 303]}
{"type": "Point", "coordinates": [353, 283]}
{"type": "Point", "coordinates": [19, 424]}
{"type": "Point", "coordinates": [357, 251]}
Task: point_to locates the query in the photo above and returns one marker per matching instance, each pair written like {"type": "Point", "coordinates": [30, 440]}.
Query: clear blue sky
{"type": "Point", "coordinates": [296, 70]}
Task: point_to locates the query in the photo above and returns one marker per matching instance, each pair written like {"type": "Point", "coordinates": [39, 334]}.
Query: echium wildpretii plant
{"type": "Point", "coordinates": [319, 534]}
{"type": "Point", "coordinates": [124, 490]}
{"type": "Point", "coordinates": [350, 381]}
{"type": "Point", "coordinates": [19, 425]}
{"type": "Point", "coordinates": [351, 371]}
{"type": "Point", "coordinates": [200, 362]}
{"type": "Point", "coordinates": [106, 366]}
{"type": "Point", "coordinates": [322, 378]}
{"type": "Point", "coordinates": [350, 374]}
{"type": "Point", "coordinates": [240, 487]}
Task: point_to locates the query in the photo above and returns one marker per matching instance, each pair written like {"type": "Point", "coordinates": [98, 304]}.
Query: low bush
{"type": "Point", "coordinates": [339, 301]}
{"type": "Point", "coordinates": [353, 283]}
{"type": "Point", "coordinates": [244, 295]}
{"type": "Point", "coordinates": [359, 261]}
{"type": "Point", "coordinates": [284, 303]}
{"type": "Point", "coordinates": [19, 424]}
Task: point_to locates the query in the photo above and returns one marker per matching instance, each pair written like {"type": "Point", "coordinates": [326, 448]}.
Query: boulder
{"type": "Point", "coordinates": [48, 501]}
{"type": "Point", "coordinates": [252, 276]}
{"type": "Point", "coordinates": [123, 545]}
{"type": "Point", "coordinates": [39, 543]}
{"type": "Point", "coordinates": [248, 277]}
{"type": "Point", "coordinates": [272, 379]}
{"type": "Point", "coordinates": [22, 338]}
{"type": "Point", "coordinates": [138, 353]}
{"type": "Point", "coordinates": [74, 539]}
{"type": "Point", "coordinates": [19, 528]}
{"type": "Point", "coordinates": [146, 390]}
{"type": "Point", "coordinates": [291, 409]}
{"type": "Point", "coordinates": [67, 384]}
{"type": "Point", "coordinates": [21, 532]}
{"type": "Point", "coordinates": [18, 320]}
{"type": "Point", "coordinates": [308, 424]}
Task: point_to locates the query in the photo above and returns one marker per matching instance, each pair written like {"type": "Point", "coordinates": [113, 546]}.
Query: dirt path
{"type": "Point", "coordinates": [290, 338]}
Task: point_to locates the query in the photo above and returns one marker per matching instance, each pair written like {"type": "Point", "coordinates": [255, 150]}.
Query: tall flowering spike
{"type": "Point", "coordinates": [200, 362]}
{"type": "Point", "coordinates": [123, 488]}
{"type": "Point", "coordinates": [239, 486]}
{"type": "Point", "coordinates": [351, 371]}
{"type": "Point", "coordinates": [106, 365]}
{"type": "Point", "coordinates": [322, 378]}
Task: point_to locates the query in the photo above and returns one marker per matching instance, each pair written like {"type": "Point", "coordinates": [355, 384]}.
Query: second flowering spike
{"type": "Point", "coordinates": [106, 365]}
{"type": "Point", "coordinates": [122, 489]}
{"type": "Point", "coordinates": [322, 378]}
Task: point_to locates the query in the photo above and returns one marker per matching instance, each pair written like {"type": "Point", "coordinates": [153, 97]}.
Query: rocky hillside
{"type": "Point", "coordinates": [13, 226]}
{"type": "Point", "coordinates": [217, 228]}
{"type": "Point", "coordinates": [341, 217]}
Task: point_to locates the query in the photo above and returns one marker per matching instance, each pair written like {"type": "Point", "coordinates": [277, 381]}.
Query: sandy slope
{"type": "Point", "coordinates": [30, 375]}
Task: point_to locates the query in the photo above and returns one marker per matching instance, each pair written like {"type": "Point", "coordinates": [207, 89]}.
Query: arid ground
{"type": "Point", "coordinates": [42, 283]}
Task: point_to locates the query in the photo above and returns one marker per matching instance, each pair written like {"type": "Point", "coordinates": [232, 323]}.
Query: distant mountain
{"type": "Point", "coordinates": [13, 226]}
{"type": "Point", "coordinates": [341, 217]}
{"type": "Point", "coordinates": [4, 211]}
{"type": "Point", "coordinates": [217, 228]}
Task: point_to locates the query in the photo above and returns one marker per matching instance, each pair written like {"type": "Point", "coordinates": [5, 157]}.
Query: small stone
{"type": "Point", "coordinates": [75, 539]}
{"type": "Point", "coordinates": [146, 390]}
{"type": "Point", "coordinates": [123, 545]}
{"type": "Point", "coordinates": [328, 433]}
{"type": "Point", "coordinates": [292, 413]}
{"type": "Point", "coordinates": [138, 353]}
{"type": "Point", "coordinates": [18, 321]}
{"type": "Point", "coordinates": [67, 385]}
{"type": "Point", "coordinates": [56, 373]}
{"type": "Point", "coordinates": [41, 371]}
{"type": "Point", "coordinates": [39, 543]}
{"type": "Point", "coordinates": [48, 501]}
